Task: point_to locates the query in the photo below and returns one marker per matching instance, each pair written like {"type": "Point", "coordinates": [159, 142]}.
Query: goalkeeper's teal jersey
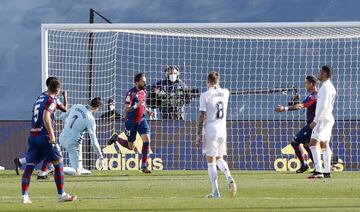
{"type": "Point", "coordinates": [78, 120]}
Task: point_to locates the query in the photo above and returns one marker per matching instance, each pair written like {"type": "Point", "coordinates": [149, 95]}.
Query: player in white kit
{"type": "Point", "coordinates": [322, 124]}
{"type": "Point", "coordinates": [213, 106]}
{"type": "Point", "coordinates": [78, 120]}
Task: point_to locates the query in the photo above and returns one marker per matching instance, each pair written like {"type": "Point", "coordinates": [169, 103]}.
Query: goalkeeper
{"type": "Point", "coordinates": [170, 95]}
{"type": "Point", "coordinates": [78, 120]}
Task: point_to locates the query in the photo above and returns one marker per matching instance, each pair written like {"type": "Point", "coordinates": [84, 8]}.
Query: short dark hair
{"type": "Point", "coordinates": [327, 69]}
{"type": "Point", "coordinates": [53, 86]}
{"type": "Point", "coordinates": [48, 80]}
{"type": "Point", "coordinates": [138, 77]}
{"type": "Point", "coordinates": [213, 77]}
{"type": "Point", "coordinates": [96, 102]}
{"type": "Point", "coordinates": [311, 79]}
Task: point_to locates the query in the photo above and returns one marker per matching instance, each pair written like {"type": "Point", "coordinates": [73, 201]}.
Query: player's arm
{"type": "Point", "coordinates": [63, 107]}
{"type": "Point", "coordinates": [48, 125]}
{"type": "Point", "coordinates": [281, 108]}
{"type": "Point", "coordinates": [201, 121]}
{"type": "Point", "coordinates": [308, 102]}
{"type": "Point", "coordinates": [149, 111]}
{"type": "Point", "coordinates": [93, 138]}
{"type": "Point", "coordinates": [91, 128]}
{"type": "Point", "coordinates": [128, 102]}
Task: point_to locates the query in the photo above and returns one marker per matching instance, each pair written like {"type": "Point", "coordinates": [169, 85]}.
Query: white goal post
{"type": "Point", "coordinates": [262, 64]}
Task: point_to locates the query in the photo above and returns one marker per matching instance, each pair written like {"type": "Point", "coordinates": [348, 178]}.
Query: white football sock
{"type": "Point", "coordinates": [42, 173]}
{"type": "Point", "coordinates": [69, 171]}
{"type": "Point", "coordinates": [213, 177]}
{"type": "Point", "coordinates": [317, 158]}
{"type": "Point", "coordinates": [327, 160]}
{"type": "Point", "coordinates": [223, 166]}
{"type": "Point", "coordinates": [22, 161]}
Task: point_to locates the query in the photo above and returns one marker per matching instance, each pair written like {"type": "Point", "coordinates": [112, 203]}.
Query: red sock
{"type": "Point", "coordinates": [45, 165]}
{"type": "Point", "coordinates": [123, 143]}
{"type": "Point", "coordinates": [145, 154]}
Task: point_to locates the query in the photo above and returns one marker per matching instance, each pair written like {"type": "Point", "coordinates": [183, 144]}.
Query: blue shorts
{"type": "Point", "coordinates": [131, 129]}
{"type": "Point", "coordinates": [304, 135]}
{"type": "Point", "coordinates": [40, 148]}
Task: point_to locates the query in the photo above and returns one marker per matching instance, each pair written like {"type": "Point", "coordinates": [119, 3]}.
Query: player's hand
{"type": "Point", "coordinates": [52, 139]}
{"type": "Point", "coordinates": [197, 141]}
{"type": "Point", "coordinates": [312, 125]}
{"type": "Point", "coordinates": [279, 108]}
{"type": "Point", "coordinates": [151, 113]}
{"type": "Point", "coordinates": [101, 163]}
{"type": "Point", "coordinates": [65, 94]}
{"type": "Point", "coordinates": [140, 103]}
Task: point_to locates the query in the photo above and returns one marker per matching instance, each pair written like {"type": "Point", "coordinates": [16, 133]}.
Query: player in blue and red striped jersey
{"type": "Point", "coordinates": [304, 135]}
{"type": "Point", "coordinates": [135, 121]}
{"type": "Point", "coordinates": [42, 144]}
{"type": "Point", "coordinates": [62, 107]}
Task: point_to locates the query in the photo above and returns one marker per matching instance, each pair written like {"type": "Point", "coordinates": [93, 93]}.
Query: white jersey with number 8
{"type": "Point", "coordinates": [214, 102]}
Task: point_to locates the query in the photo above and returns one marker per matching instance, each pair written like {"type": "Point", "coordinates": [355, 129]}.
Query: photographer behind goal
{"type": "Point", "coordinates": [171, 94]}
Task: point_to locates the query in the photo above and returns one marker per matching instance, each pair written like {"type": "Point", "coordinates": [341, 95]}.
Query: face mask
{"type": "Point", "coordinates": [112, 107]}
{"type": "Point", "coordinates": [172, 77]}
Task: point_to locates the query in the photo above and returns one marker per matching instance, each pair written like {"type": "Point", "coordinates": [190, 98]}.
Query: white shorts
{"type": "Point", "coordinates": [73, 147]}
{"type": "Point", "coordinates": [214, 147]}
{"type": "Point", "coordinates": [322, 130]}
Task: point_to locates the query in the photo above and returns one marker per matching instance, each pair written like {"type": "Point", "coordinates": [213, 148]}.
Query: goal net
{"type": "Point", "coordinates": [262, 65]}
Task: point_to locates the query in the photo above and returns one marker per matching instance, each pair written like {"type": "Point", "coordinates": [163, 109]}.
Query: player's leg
{"type": "Point", "coordinates": [19, 162]}
{"type": "Point", "coordinates": [34, 156]}
{"type": "Point", "coordinates": [145, 153]}
{"type": "Point", "coordinates": [144, 131]}
{"type": "Point", "coordinates": [316, 158]}
{"type": "Point", "coordinates": [327, 158]}
{"type": "Point", "coordinates": [213, 176]}
{"type": "Point", "coordinates": [44, 170]}
{"type": "Point", "coordinates": [128, 144]}
{"type": "Point", "coordinates": [75, 156]}
{"type": "Point", "coordinates": [307, 148]}
{"type": "Point", "coordinates": [52, 153]}
{"type": "Point", "coordinates": [301, 138]}
{"type": "Point", "coordinates": [325, 138]}
{"type": "Point", "coordinates": [25, 182]}
{"type": "Point", "coordinates": [224, 167]}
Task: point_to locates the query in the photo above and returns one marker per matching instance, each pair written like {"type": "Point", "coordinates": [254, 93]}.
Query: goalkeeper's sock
{"type": "Point", "coordinates": [223, 166]}
{"type": "Point", "coordinates": [25, 180]}
{"type": "Point", "coordinates": [59, 178]}
{"type": "Point", "coordinates": [327, 160]}
{"type": "Point", "coordinates": [309, 153]}
{"type": "Point", "coordinates": [317, 159]}
{"type": "Point", "coordinates": [212, 170]}
{"type": "Point", "coordinates": [22, 161]}
{"type": "Point", "coordinates": [145, 153]}
{"type": "Point", "coordinates": [299, 153]}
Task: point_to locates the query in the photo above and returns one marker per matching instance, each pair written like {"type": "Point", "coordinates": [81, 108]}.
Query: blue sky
{"type": "Point", "coordinates": [20, 20]}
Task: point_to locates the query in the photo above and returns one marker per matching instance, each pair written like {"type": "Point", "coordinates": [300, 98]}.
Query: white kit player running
{"type": "Point", "coordinates": [78, 120]}
{"type": "Point", "coordinates": [213, 106]}
{"type": "Point", "coordinates": [322, 124]}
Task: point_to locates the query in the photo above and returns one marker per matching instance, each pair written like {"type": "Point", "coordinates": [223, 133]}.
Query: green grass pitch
{"type": "Point", "coordinates": [185, 191]}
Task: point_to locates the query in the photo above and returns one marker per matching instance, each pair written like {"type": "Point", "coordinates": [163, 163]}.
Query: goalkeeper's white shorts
{"type": "Point", "coordinates": [214, 147]}
{"type": "Point", "coordinates": [73, 147]}
{"type": "Point", "coordinates": [322, 130]}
